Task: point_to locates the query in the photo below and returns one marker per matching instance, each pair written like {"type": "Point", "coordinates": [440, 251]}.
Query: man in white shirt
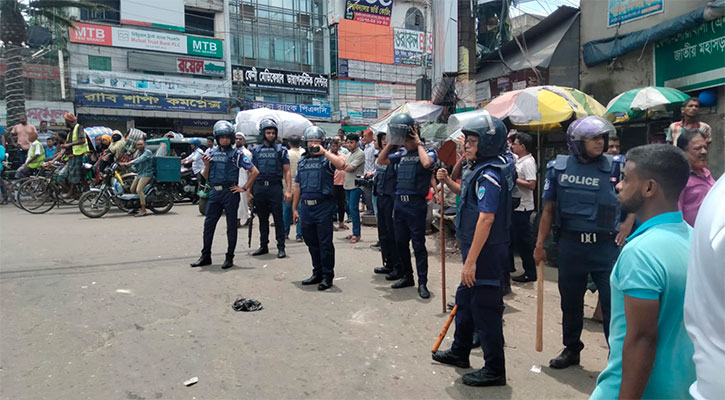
{"type": "Point", "coordinates": [295, 153]}
{"type": "Point", "coordinates": [369, 149]}
{"type": "Point", "coordinates": [195, 158]}
{"type": "Point", "coordinates": [244, 214]}
{"type": "Point", "coordinates": [522, 240]}
{"type": "Point", "coordinates": [704, 300]}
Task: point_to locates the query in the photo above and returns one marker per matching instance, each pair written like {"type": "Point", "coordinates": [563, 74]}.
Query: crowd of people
{"type": "Point", "coordinates": [622, 226]}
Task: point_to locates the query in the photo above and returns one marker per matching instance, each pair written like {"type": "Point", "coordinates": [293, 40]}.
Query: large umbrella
{"type": "Point", "coordinates": [644, 99]}
{"type": "Point", "coordinates": [543, 107]}
{"type": "Point", "coordinates": [421, 111]}
{"type": "Point", "coordinates": [288, 123]}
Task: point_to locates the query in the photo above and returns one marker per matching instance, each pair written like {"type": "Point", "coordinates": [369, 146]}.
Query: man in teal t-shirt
{"type": "Point", "coordinates": [651, 354]}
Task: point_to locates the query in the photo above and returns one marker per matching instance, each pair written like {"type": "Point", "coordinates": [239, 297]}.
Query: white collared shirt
{"type": "Point", "coordinates": [526, 169]}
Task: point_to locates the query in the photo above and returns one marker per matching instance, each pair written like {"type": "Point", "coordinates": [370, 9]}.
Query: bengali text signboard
{"type": "Point", "coordinates": [621, 11]}
{"type": "Point", "coordinates": [283, 81]}
{"type": "Point", "coordinates": [376, 12]}
{"type": "Point", "coordinates": [86, 98]}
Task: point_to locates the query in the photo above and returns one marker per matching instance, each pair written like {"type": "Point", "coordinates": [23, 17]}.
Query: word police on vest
{"type": "Point", "coordinates": [580, 180]}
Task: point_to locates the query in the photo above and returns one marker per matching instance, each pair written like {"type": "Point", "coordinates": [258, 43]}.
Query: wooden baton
{"type": "Point", "coordinates": [540, 306]}
{"type": "Point", "coordinates": [445, 330]}
{"type": "Point", "coordinates": [443, 251]}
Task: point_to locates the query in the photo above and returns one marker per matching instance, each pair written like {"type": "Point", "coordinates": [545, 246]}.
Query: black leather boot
{"type": "Point", "coordinates": [423, 291]}
{"type": "Point", "coordinates": [484, 377]}
{"type": "Point", "coordinates": [228, 262]}
{"type": "Point", "coordinates": [566, 359]}
{"type": "Point", "coordinates": [450, 358]}
{"type": "Point", "coordinates": [260, 251]}
{"type": "Point", "coordinates": [406, 281]}
{"type": "Point", "coordinates": [312, 280]}
{"type": "Point", "coordinates": [383, 270]}
{"type": "Point", "coordinates": [281, 253]}
{"type": "Point", "coordinates": [202, 261]}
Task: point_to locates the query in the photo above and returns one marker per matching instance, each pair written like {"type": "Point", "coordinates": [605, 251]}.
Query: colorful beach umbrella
{"type": "Point", "coordinates": [543, 107]}
{"type": "Point", "coordinates": [646, 98]}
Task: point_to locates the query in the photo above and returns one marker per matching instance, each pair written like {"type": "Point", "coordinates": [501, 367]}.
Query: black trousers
{"type": "Point", "coordinates": [221, 200]}
{"type": "Point", "coordinates": [317, 232]}
{"type": "Point", "coordinates": [338, 191]}
{"type": "Point", "coordinates": [268, 200]}
{"type": "Point", "coordinates": [480, 309]}
{"type": "Point", "coordinates": [386, 233]}
{"type": "Point", "coordinates": [522, 241]}
{"type": "Point", "coordinates": [576, 262]}
{"type": "Point", "coordinates": [409, 217]}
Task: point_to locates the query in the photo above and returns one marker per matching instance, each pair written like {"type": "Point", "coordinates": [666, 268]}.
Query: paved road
{"type": "Point", "coordinates": [109, 308]}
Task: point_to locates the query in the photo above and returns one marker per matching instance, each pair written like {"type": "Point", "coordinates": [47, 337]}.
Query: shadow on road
{"type": "Point", "coordinates": [461, 391]}
{"type": "Point", "coordinates": [575, 376]}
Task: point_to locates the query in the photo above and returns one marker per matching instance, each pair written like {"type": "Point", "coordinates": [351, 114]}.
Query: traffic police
{"type": "Point", "coordinates": [482, 226]}
{"type": "Point", "coordinates": [221, 169]}
{"type": "Point", "coordinates": [314, 188]}
{"type": "Point", "coordinates": [414, 166]}
{"type": "Point", "coordinates": [384, 190]}
{"type": "Point", "coordinates": [581, 203]}
{"type": "Point", "coordinates": [273, 162]}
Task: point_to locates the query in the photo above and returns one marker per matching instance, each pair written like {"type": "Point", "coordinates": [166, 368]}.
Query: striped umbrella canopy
{"type": "Point", "coordinates": [543, 107]}
{"type": "Point", "coordinates": [646, 98]}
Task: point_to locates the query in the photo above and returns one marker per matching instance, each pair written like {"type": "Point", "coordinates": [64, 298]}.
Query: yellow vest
{"type": "Point", "coordinates": [31, 152]}
{"type": "Point", "coordinates": [81, 149]}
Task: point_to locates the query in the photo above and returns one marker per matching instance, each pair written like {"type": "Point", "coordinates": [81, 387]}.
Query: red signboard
{"type": "Point", "coordinates": [190, 66]}
{"type": "Point", "coordinates": [91, 34]}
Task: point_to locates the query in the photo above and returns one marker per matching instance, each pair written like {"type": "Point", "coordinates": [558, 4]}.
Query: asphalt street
{"type": "Point", "coordinates": [110, 309]}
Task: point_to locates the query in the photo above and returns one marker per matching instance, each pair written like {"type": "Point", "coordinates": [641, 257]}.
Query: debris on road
{"type": "Point", "coordinates": [191, 381]}
{"type": "Point", "coordinates": [536, 369]}
{"type": "Point", "coordinates": [124, 291]}
{"type": "Point", "coordinates": [244, 304]}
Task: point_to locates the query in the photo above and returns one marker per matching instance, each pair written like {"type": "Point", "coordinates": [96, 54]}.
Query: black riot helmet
{"type": "Point", "coordinates": [399, 127]}
{"type": "Point", "coordinates": [314, 133]}
{"type": "Point", "coordinates": [491, 133]}
{"type": "Point", "coordinates": [265, 124]}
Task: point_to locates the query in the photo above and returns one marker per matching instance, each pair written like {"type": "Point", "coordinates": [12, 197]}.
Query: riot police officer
{"type": "Point", "coordinates": [273, 163]}
{"type": "Point", "coordinates": [414, 166]}
{"type": "Point", "coordinates": [221, 169]}
{"type": "Point", "coordinates": [580, 201]}
{"type": "Point", "coordinates": [482, 226]}
{"type": "Point", "coordinates": [314, 188]}
{"type": "Point", "coordinates": [384, 190]}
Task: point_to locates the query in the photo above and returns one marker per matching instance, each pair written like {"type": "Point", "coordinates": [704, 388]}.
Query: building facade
{"type": "Point", "coordinates": [156, 66]}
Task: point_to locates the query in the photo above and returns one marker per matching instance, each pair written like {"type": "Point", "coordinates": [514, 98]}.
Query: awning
{"type": "Point", "coordinates": [541, 42]}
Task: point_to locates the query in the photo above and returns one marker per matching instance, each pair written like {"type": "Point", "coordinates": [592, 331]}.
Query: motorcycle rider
{"type": "Point", "coordinates": [221, 169]}
{"type": "Point", "coordinates": [196, 159]}
{"type": "Point", "coordinates": [144, 165]}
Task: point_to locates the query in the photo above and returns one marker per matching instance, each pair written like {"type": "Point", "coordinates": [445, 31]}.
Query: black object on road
{"type": "Point", "coordinates": [250, 225]}
{"type": "Point", "coordinates": [245, 304]}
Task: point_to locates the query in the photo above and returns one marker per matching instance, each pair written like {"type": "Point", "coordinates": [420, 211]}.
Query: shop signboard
{"type": "Point", "coordinates": [146, 83]}
{"type": "Point", "coordinates": [115, 36]}
{"type": "Point", "coordinates": [410, 46]}
{"type": "Point", "coordinates": [90, 98]}
{"type": "Point", "coordinates": [282, 81]}
{"type": "Point", "coordinates": [370, 113]}
{"type": "Point", "coordinates": [621, 11]}
{"type": "Point", "coordinates": [36, 71]}
{"type": "Point", "coordinates": [376, 12]}
{"type": "Point", "coordinates": [322, 111]}
{"type": "Point", "coordinates": [142, 61]}
{"type": "Point", "coordinates": [692, 59]}
{"type": "Point", "coordinates": [36, 111]}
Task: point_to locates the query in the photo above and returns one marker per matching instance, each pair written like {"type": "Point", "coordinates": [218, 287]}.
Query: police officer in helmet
{"type": "Point", "coordinates": [273, 163]}
{"type": "Point", "coordinates": [581, 203]}
{"type": "Point", "coordinates": [482, 226]}
{"type": "Point", "coordinates": [314, 189]}
{"type": "Point", "coordinates": [384, 190]}
{"type": "Point", "coordinates": [414, 166]}
{"type": "Point", "coordinates": [221, 169]}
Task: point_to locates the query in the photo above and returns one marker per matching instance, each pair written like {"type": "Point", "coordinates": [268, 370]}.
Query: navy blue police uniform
{"type": "Point", "coordinates": [315, 175]}
{"type": "Point", "coordinates": [384, 190]}
{"type": "Point", "coordinates": [485, 188]}
{"type": "Point", "coordinates": [223, 174]}
{"type": "Point", "coordinates": [586, 219]}
{"type": "Point", "coordinates": [412, 185]}
{"type": "Point", "coordinates": [270, 161]}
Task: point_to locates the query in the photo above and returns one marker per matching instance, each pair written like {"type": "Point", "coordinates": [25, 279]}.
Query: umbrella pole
{"type": "Point", "coordinates": [443, 250]}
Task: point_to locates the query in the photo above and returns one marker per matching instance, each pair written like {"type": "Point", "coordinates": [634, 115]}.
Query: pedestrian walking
{"type": "Point", "coordinates": [220, 170]}
{"type": "Point", "coordinates": [272, 161]}
{"type": "Point", "coordinates": [650, 353]}
{"type": "Point", "coordinates": [482, 226]}
{"type": "Point", "coordinates": [581, 203]}
{"type": "Point", "coordinates": [20, 136]}
{"type": "Point", "coordinates": [384, 191]}
{"type": "Point", "coordinates": [313, 195]}
{"type": "Point", "coordinates": [694, 145]}
{"type": "Point", "coordinates": [522, 238]}
{"type": "Point", "coordinates": [414, 165]}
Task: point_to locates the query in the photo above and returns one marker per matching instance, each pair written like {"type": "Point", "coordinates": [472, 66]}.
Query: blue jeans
{"type": "Point", "coordinates": [287, 217]}
{"type": "Point", "coordinates": [353, 209]}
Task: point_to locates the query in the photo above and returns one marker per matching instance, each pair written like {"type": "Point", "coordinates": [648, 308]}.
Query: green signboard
{"type": "Point", "coordinates": [206, 47]}
{"type": "Point", "coordinates": [693, 59]}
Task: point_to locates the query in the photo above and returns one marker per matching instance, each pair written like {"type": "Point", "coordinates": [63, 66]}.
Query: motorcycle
{"type": "Point", "coordinates": [187, 188]}
{"type": "Point", "coordinates": [96, 202]}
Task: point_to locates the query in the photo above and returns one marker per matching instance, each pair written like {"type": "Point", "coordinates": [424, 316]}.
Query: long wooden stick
{"type": "Point", "coordinates": [540, 307]}
{"type": "Point", "coordinates": [443, 249]}
{"type": "Point", "coordinates": [445, 329]}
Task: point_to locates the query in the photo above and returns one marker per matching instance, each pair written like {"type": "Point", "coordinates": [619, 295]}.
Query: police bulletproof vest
{"type": "Point", "coordinates": [384, 180]}
{"type": "Point", "coordinates": [268, 161]}
{"type": "Point", "coordinates": [467, 216]}
{"type": "Point", "coordinates": [222, 170]}
{"type": "Point", "coordinates": [585, 196]}
{"type": "Point", "coordinates": [412, 178]}
{"type": "Point", "coordinates": [315, 176]}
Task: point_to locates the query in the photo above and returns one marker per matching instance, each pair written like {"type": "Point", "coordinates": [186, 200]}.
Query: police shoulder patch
{"type": "Point", "coordinates": [481, 191]}
{"type": "Point", "coordinates": [245, 159]}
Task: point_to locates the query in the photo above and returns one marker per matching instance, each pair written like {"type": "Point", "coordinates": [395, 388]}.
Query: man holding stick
{"type": "Point", "coordinates": [482, 226]}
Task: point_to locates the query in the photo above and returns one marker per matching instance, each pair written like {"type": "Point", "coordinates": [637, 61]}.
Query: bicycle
{"type": "Point", "coordinates": [40, 194]}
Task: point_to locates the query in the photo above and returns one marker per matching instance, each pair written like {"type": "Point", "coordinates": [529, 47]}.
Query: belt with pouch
{"type": "Point", "coordinates": [222, 186]}
{"type": "Point", "coordinates": [588, 237]}
{"type": "Point", "coordinates": [407, 197]}
{"type": "Point", "coordinates": [312, 203]}
{"type": "Point", "coordinates": [267, 183]}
